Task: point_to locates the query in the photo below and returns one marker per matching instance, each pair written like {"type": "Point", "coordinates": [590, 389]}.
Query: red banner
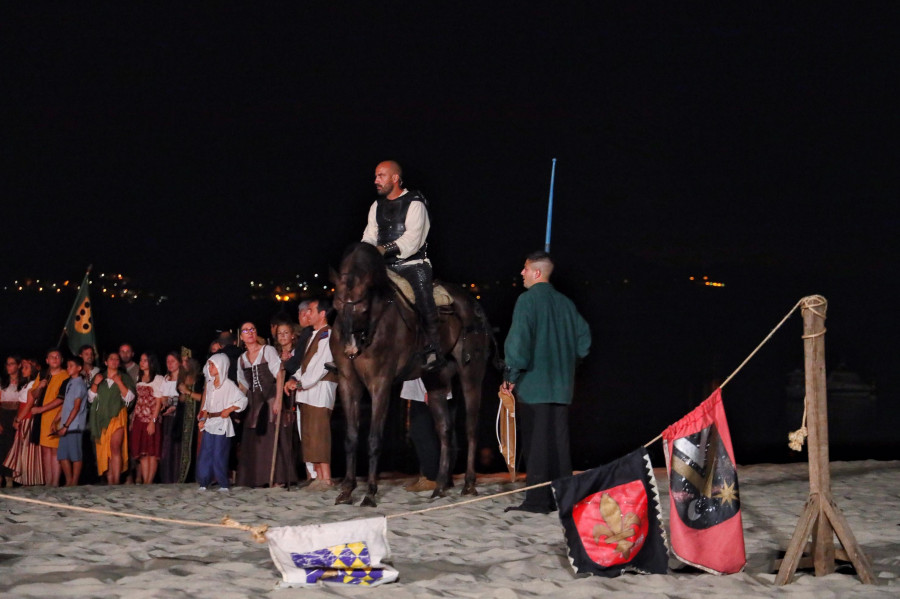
{"type": "Point", "coordinates": [705, 516]}
{"type": "Point", "coordinates": [611, 518]}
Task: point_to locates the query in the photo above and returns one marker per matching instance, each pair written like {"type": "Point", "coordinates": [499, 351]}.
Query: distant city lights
{"type": "Point", "coordinates": [114, 286]}
{"type": "Point", "coordinates": [704, 280]}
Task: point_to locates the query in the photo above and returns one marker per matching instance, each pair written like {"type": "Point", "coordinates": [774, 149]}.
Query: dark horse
{"type": "Point", "coordinates": [377, 340]}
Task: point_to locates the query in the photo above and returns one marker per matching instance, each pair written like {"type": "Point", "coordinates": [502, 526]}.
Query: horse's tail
{"type": "Point", "coordinates": [499, 364]}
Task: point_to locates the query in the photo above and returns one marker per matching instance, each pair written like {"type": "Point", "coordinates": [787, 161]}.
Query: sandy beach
{"type": "Point", "coordinates": [469, 551]}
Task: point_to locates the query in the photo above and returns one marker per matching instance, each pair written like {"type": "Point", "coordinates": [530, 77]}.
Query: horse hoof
{"type": "Point", "coordinates": [368, 501]}
{"type": "Point", "coordinates": [438, 493]}
{"type": "Point", "coordinates": [469, 490]}
{"type": "Point", "coordinates": [344, 498]}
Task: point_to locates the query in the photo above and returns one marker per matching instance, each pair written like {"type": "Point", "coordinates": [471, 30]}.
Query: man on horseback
{"type": "Point", "coordinates": [398, 226]}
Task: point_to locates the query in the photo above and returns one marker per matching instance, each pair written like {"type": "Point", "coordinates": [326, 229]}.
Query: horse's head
{"type": "Point", "coordinates": [359, 281]}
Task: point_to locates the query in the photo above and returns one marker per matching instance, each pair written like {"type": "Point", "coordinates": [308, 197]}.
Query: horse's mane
{"type": "Point", "coordinates": [362, 259]}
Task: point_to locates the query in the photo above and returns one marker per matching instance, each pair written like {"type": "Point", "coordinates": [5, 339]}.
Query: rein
{"type": "Point", "coordinates": [367, 332]}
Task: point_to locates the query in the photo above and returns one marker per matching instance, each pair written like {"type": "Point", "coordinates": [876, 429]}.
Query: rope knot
{"type": "Point", "coordinates": [258, 532]}
{"type": "Point", "coordinates": [797, 438]}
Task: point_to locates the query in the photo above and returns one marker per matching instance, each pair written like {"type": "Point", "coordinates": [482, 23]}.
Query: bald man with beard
{"type": "Point", "coordinates": [398, 226]}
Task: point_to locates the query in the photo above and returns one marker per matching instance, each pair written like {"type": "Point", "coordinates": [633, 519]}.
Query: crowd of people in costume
{"type": "Point", "coordinates": [236, 418]}
{"type": "Point", "coordinates": [259, 406]}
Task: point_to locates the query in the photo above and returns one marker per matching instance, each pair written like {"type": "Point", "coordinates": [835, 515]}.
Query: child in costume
{"type": "Point", "coordinates": [221, 398]}
{"type": "Point", "coordinates": [72, 421]}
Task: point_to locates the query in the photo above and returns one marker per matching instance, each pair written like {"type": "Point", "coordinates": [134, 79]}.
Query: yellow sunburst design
{"type": "Point", "coordinates": [728, 494]}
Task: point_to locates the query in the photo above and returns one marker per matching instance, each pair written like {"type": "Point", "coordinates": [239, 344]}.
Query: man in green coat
{"type": "Point", "coordinates": [547, 338]}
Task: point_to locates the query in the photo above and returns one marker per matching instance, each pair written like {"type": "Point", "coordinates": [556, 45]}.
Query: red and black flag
{"type": "Point", "coordinates": [705, 517]}
{"type": "Point", "coordinates": [611, 518]}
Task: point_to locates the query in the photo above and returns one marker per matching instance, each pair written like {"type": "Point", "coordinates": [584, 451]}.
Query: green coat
{"type": "Point", "coordinates": [546, 339]}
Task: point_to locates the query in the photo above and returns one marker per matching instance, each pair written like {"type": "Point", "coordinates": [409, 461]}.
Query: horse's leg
{"type": "Point", "coordinates": [471, 357]}
{"type": "Point", "coordinates": [351, 393]}
{"type": "Point", "coordinates": [471, 376]}
{"type": "Point", "coordinates": [440, 412]}
{"type": "Point", "coordinates": [380, 390]}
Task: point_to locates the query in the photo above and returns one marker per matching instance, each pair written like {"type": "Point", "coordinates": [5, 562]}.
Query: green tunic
{"type": "Point", "coordinates": [546, 338]}
{"type": "Point", "coordinates": [107, 405]}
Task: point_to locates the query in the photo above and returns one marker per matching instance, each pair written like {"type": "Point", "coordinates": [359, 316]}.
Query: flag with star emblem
{"type": "Point", "coordinates": [705, 518]}
{"type": "Point", "coordinates": [342, 553]}
{"type": "Point", "coordinates": [611, 518]}
{"type": "Point", "coordinates": [80, 324]}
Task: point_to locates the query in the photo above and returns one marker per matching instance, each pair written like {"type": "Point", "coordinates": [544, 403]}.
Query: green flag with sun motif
{"type": "Point", "coordinates": [80, 325]}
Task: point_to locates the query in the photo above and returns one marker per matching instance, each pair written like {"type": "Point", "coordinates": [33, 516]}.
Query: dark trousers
{"type": "Point", "coordinates": [545, 441]}
{"type": "Point", "coordinates": [420, 279]}
{"type": "Point", "coordinates": [425, 438]}
{"type": "Point", "coordinates": [212, 465]}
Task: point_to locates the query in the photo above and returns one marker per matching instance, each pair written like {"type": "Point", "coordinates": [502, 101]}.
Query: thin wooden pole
{"type": "Point", "coordinates": [817, 424]}
{"type": "Point", "coordinates": [821, 517]}
{"type": "Point", "coordinates": [279, 392]}
{"type": "Point", "coordinates": [550, 206]}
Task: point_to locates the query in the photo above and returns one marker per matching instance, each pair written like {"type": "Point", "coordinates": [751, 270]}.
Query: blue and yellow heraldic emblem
{"type": "Point", "coordinates": [348, 563]}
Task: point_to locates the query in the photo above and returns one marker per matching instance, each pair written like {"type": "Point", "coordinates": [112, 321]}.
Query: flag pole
{"type": "Point", "coordinates": [550, 207]}
{"type": "Point", "coordinates": [84, 281]}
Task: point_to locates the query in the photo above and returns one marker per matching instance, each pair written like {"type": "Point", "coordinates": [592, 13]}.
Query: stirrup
{"type": "Point", "coordinates": [433, 361]}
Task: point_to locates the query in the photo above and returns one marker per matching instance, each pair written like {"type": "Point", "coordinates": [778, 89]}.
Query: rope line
{"type": "Point", "coordinates": [258, 532]}
{"type": "Point", "coordinates": [764, 341]}
{"type": "Point", "coordinates": [475, 500]}
{"type": "Point", "coordinates": [809, 303]}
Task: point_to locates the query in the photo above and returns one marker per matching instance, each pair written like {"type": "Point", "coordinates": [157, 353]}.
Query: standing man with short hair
{"type": "Point", "coordinates": [398, 226]}
{"type": "Point", "coordinates": [547, 338]}
{"type": "Point", "coordinates": [88, 356]}
{"type": "Point", "coordinates": [126, 353]}
{"type": "Point", "coordinates": [304, 312]}
{"type": "Point", "coordinates": [316, 389]}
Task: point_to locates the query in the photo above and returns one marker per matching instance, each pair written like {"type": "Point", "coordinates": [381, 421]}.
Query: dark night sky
{"type": "Point", "coordinates": [198, 150]}
{"type": "Point", "coordinates": [689, 139]}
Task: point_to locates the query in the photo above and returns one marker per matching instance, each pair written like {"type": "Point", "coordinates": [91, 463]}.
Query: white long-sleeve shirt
{"type": "Point", "coordinates": [219, 398]}
{"type": "Point", "coordinates": [316, 392]}
{"type": "Point", "coordinates": [417, 227]}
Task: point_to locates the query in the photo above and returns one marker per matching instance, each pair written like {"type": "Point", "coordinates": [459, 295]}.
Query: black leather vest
{"type": "Point", "coordinates": [390, 215]}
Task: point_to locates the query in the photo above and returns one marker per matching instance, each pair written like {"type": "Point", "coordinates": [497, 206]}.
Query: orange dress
{"type": "Point", "coordinates": [47, 418]}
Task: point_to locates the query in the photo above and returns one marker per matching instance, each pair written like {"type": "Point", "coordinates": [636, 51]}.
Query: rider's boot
{"type": "Point", "coordinates": [419, 278]}
{"type": "Point", "coordinates": [434, 358]}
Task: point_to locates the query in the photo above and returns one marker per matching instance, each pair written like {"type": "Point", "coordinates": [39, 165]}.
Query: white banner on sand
{"type": "Point", "coordinates": [341, 553]}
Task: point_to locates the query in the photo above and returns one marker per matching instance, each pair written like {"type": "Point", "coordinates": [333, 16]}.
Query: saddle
{"type": "Point", "coordinates": [441, 297]}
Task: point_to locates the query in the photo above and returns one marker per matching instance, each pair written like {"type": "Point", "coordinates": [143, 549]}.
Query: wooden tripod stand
{"type": "Point", "coordinates": [821, 516]}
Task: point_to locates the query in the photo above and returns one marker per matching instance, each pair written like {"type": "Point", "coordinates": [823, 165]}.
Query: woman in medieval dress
{"type": "Point", "coordinates": [110, 393]}
{"type": "Point", "coordinates": [258, 376]}
{"type": "Point", "coordinates": [24, 457]}
{"type": "Point", "coordinates": [146, 432]}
